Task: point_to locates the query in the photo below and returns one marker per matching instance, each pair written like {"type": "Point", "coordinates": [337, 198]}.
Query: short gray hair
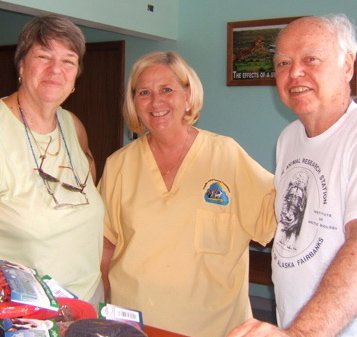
{"type": "Point", "coordinates": [44, 28]}
{"type": "Point", "coordinates": [345, 32]}
{"type": "Point", "coordinates": [341, 27]}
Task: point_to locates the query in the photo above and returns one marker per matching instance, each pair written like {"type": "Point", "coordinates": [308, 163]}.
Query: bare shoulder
{"type": "Point", "coordinates": [83, 141]}
{"type": "Point", "coordinates": [81, 130]}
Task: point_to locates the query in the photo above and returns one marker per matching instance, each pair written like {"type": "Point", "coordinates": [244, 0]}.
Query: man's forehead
{"type": "Point", "coordinates": [307, 27]}
{"type": "Point", "coordinates": [306, 38]}
{"type": "Point", "coordinates": [313, 50]}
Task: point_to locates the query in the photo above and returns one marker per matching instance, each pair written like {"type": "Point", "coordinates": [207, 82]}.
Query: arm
{"type": "Point", "coordinates": [109, 187]}
{"type": "Point", "coordinates": [253, 328]}
{"type": "Point", "coordinates": [331, 308]}
{"type": "Point", "coordinates": [108, 250]}
{"type": "Point", "coordinates": [336, 294]}
{"type": "Point", "coordinates": [83, 141]}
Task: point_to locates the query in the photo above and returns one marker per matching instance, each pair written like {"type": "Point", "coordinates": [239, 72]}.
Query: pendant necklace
{"type": "Point", "coordinates": [179, 160]}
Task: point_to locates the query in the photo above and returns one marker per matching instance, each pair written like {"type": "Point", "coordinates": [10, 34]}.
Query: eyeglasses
{"type": "Point", "coordinates": [47, 178]}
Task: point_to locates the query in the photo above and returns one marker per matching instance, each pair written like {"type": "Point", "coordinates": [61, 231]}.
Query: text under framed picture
{"type": "Point", "coordinates": [250, 50]}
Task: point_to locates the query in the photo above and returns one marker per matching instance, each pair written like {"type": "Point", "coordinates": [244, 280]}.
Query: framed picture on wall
{"type": "Point", "coordinates": [250, 50]}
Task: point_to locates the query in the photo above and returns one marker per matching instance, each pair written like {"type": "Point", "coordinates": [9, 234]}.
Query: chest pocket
{"type": "Point", "coordinates": [214, 232]}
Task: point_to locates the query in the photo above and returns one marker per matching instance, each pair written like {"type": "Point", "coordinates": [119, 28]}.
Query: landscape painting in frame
{"type": "Point", "coordinates": [250, 51]}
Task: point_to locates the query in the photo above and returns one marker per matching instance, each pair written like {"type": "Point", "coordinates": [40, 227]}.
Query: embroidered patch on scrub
{"type": "Point", "coordinates": [217, 192]}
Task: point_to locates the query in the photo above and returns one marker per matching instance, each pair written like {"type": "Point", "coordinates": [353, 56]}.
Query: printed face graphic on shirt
{"type": "Point", "coordinates": [305, 217]}
{"type": "Point", "coordinates": [293, 210]}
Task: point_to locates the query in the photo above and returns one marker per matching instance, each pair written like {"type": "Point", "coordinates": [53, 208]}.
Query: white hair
{"type": "Point", "coordinates": [345, 32]}
{"type": "Point", "coordinates": [341, 27]}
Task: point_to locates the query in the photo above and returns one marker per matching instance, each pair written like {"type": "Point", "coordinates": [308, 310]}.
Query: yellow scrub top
{"type": "Point", "coordinates": [182, 255]}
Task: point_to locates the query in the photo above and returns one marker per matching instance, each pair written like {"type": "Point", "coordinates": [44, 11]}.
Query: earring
{"type": "Point", "coordinates": [19, 79]}
{"type": "Point", "coordinates": [73, 90]}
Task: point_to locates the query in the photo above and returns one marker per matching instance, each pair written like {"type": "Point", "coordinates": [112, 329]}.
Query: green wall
{"type": "Point", "coordinates": [252, 115]}
{"type": "Point", "coordinates": [123, 16]}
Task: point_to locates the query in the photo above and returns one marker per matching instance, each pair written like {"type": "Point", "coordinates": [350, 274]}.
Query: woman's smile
{"type": "Point", "coordinates": [159, 113]}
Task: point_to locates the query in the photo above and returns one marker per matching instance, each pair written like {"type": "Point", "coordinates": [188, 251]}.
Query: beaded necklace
{"type": "Point", "coordinates": [28, 132]}
{"type": "Point", "coordinates": [39, 147]}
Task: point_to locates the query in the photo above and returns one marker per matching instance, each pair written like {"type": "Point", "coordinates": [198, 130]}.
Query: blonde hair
{"type": "Point", "coordinates": [186, 76]}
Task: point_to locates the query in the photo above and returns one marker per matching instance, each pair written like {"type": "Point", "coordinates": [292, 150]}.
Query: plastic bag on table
{"type": "Point", "coordinates": [23, 285]}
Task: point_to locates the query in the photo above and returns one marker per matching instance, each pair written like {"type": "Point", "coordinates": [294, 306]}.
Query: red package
{"type": "Point", "coordinates": [71, 309]}
{"type": "Point", "coordinates": [13, 310]}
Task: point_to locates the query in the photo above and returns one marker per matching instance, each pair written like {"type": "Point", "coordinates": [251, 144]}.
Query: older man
{"type": "Point", "coordinates": [315, 247]}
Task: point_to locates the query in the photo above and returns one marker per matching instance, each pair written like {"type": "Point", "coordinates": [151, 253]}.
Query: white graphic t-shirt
{"type": "Point", "coordinates": [316, 181]}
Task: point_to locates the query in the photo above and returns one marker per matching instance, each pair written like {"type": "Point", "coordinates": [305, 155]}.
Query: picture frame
{"type": "Point", "coordinates": [250, 50]}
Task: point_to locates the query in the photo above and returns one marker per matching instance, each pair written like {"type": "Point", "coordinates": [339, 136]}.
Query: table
{"type": "Point", "coordinates": [155, 332]}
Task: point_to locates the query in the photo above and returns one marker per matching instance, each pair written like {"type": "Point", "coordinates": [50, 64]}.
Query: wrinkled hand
{"type": "Point", "coordinates": [255, 328]}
